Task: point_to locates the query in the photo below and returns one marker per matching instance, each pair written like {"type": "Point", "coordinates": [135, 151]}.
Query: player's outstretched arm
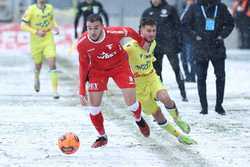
{"type": "Point", "coordinates": [127, 32]}
{"type": "Point", "coordinates": [130, 32]}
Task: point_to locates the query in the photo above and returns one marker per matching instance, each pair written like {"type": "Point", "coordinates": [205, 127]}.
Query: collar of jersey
{"type": "Point", "coordinates": [43, 9]}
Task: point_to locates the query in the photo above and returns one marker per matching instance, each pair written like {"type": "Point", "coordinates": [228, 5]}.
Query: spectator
{"type": "Point", "coordinates": [168, 39]}
{"type": "Point", "coordinates": [209, 23]}
{"type": "Point", "coordinates": [85, 9]}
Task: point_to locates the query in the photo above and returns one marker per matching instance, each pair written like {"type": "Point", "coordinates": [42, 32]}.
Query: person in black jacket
{"type": "Point", "coordinates": [209, 23]}
{"type": "Point", "coordinates": [168, 38]}
{"type": "Point", "coordinates": [86, 8]}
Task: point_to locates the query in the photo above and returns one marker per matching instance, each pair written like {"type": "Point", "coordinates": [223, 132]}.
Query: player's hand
{"type": "Point", "coordinates": [56, 31]}
{"type": "Point", "coordinates": [40, 33]}
{"type": "Point", "coordinates": [84, 100]}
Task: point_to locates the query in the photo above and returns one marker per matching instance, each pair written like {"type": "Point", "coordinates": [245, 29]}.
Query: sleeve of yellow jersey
{"type": "Point", "coordinates": [25, 25]}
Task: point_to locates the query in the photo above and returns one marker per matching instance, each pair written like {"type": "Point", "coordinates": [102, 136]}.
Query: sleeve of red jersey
{"type": "Point", "coordinates": [129, 32]}
{"type": "Point", "coordinates": [83, 69]}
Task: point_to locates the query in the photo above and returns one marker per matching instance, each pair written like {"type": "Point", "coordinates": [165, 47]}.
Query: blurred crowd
{"type": "Point", "coordinates": [241, 13]}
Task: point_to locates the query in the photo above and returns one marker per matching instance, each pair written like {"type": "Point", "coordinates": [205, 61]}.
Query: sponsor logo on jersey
{"type": "Point", "coordinates": [143, 66]}
{"type": "Point", "coordinates": [106, 55]}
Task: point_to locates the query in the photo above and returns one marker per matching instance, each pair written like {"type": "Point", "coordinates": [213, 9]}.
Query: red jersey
{"type": "Point", "coordinates": [105, 54]}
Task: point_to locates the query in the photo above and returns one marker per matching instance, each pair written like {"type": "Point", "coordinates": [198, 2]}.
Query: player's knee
{"type": "Point", "coordinates": [170, 104]}
{"type": "Point", "coordinates": [93, 110]}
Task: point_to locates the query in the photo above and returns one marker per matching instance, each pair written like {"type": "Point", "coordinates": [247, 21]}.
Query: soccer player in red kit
{"type": "Point", "coordinates": [101, 57]}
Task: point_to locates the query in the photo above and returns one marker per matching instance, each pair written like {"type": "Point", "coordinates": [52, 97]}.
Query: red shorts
{"type": "Point", "coordinates": [122, 76]}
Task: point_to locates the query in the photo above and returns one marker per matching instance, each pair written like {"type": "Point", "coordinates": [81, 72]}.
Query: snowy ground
{"type": "Point", "coordinates": [30, 123]}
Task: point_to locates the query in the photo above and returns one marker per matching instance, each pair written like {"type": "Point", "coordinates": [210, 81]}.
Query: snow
{"type": "Point", "coordinates": [31, 123]}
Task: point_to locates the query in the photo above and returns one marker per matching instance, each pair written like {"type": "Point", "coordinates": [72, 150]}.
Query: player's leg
{"type": "Point", "coordinates": [37, 77]}
{"type": "Point", "coordinates": [159, 92]}
{"type": "Point", "coordinates": [53, 76]}
{"type": "Point", "coordinates": [50, 54]}
{"type": "Point", "coordinates": [123, 77]}
{"type": "Point", "coordinates": [97, 119]}
{"type": "Point", "coordinates": [135, 107]}
{"type": "Point", "coordinates": [162, 95]}
{"type": "Point", "coordinates": [97, 85]}
{"type": "Point", "coordinates": [170, 128]}
{"type": "Point", "coordinates": [37, 57]}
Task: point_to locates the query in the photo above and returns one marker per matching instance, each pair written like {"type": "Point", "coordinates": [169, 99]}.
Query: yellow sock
{"type": "Point", "coordinates": [54, 80]}
{"type": "Point", "coordinates": [174, 113]}
{"type": "Point", "coordinates": [170, 128]}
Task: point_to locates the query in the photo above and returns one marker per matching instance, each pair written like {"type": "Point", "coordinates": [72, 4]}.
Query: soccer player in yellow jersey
{"type": "Point", "coordinates": [149, 87]}
{"type": "Point", "coordinates": [40, 22]}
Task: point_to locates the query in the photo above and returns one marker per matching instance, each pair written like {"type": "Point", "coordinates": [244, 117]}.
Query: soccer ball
{"type": "Point", "coordinates": [69, 143]}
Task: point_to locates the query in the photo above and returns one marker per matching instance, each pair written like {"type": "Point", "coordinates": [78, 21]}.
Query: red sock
{"type": "Point", "coordinates": [97, 121]}
{"type": "Point", "coordinates": [137, 113]}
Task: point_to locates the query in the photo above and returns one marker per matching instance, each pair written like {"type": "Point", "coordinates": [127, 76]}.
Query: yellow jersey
{"type": "Point", "coordinates": [140, 60]}
{"type": "Point", "coordinates": [39, 19]}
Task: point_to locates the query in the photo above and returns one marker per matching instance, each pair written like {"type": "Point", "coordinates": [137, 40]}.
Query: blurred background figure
{"type": "Point", "coordinates": [168, 39]}
{"type": "Point", "coordinates": [188, 62]}
{"type": "Point", "coordinates": [241, 12]}
{"type": "Point", "coordinates": [40, 22]}
{"type": "Point", "coordinates": [86, 8]}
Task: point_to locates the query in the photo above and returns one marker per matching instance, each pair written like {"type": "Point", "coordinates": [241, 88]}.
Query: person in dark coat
{"type": "Point", "coordinates": [168, 38]}
{"type": "Point", "coordinates": [86, 8]}
{"type": "Point", "coordinates": [209, 23]}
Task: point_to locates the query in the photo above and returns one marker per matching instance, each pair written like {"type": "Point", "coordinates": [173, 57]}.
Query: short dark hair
{"type": "Point", "coordinates": [94, 17]}
{"type": "Point", "coordinates": [147, 22]}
